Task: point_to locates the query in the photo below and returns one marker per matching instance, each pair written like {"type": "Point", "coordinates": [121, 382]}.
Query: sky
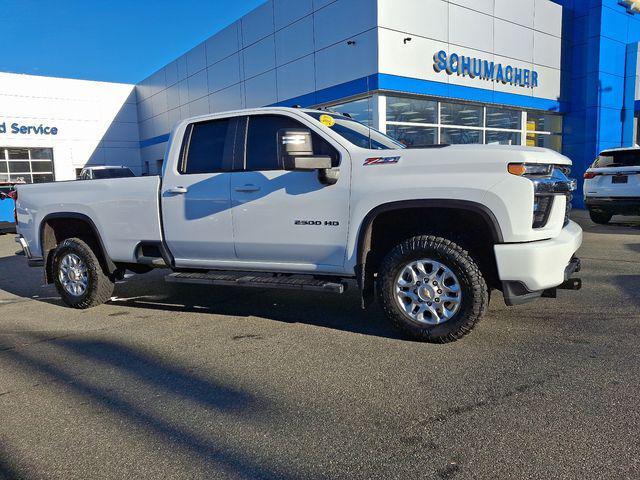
{"type": "Point", "coordinates": [108, 40]}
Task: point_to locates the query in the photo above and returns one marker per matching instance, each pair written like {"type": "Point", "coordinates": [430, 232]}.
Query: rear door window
{"type": "Point", "coordinates": [618, 159]}
{"type": "Point", "coordinates": [209, 147]}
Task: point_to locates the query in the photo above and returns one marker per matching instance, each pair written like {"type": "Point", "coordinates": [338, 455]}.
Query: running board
{"type": "Point", "coordinates": [259, 280]}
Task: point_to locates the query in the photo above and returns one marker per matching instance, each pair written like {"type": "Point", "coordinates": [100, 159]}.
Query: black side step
{"type": "Point", "coordinates": [260, 280]}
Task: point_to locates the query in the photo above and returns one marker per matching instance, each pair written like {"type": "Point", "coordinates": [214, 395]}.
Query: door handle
{"type": "Point", "coordinates": [247, 188]}
{"type": "Point", "coordinates": [176, 190]}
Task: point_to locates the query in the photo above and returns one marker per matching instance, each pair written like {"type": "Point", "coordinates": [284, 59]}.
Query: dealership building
{"type": "Point", "coordinates": [561, 74]}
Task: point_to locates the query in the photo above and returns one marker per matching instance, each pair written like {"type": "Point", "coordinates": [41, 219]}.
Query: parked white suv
{"type": "Point", "coordinates": [309, 200]}
{"type": "Point", "coordinates": [612, 184]}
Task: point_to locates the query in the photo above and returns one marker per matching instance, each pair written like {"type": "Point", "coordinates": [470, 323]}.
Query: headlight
{"type": "Point", "coordinates": [530, 169]}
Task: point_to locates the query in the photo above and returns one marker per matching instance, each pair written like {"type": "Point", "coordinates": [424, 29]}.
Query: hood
{"type": "Point", "coordinates": [501, 154]}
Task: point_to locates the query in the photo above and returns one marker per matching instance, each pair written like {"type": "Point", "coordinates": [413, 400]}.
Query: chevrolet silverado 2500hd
{"type": "Point", "coordinates": [309, 199]}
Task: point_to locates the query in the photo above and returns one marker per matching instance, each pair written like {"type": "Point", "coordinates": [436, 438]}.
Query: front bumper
{"type": "Point", "coordinates": [33, 262]}
{"type": "Point", "coordinates": [527, 269]}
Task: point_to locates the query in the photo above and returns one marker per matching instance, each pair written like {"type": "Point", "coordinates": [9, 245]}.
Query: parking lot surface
{"type": "Point", "coordinates": [170, 381]}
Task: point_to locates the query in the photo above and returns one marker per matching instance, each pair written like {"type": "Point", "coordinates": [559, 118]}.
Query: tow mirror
{"type": "Point", "coordinates": [295, 149]}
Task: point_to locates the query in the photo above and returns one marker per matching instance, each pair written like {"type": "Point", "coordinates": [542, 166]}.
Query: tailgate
{"type": "Point", "coordinates": [614, 182]}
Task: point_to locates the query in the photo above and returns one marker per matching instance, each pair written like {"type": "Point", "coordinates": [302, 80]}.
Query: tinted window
{"type": "Point", "coordinates": [262, 142]}
{"type": "Point", "coordinates": [112, 173]}
{"type": "Point", "coordinates": [357, 133]}
{"type": "Point", "coordinates": [209, 147]}
{"type": "Point", "coordinates": [618, 159]}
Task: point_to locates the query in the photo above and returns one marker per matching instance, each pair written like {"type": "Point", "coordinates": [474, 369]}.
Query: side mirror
{"type": "Point", "coordinates": [295, 150]}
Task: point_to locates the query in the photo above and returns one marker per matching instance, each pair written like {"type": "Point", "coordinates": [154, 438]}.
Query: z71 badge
{"type": "Point", "coordinates": [381, 160]}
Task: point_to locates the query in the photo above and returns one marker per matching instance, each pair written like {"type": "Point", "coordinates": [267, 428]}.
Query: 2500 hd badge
{"type": "Point", "coordinates": [328, 223]}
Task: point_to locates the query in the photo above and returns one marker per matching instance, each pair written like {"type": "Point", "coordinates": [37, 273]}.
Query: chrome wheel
{"type": "Point", "coordinates": [428, 292]}
{"type": "Point", "coordinates": [73, 274]}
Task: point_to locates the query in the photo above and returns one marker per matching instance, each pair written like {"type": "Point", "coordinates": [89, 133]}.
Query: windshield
{"type": "Point", "coordinates": [623, 158]}
{"type": "Point", "coordinates": [355, 132]}
{"type": "Point", "coordinates": [112, 173]}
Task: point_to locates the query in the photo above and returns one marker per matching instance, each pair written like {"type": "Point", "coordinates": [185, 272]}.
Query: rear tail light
{"type": "Point", "coordinates": [590, 175]}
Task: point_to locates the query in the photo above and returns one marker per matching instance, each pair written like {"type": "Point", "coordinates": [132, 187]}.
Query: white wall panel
{"type": "Point", "coordinates": [470, 29]}
{"type": "Point", "coordinates": [342, 63]}
{"type": "Point", "coordinates": [342, 20]}
{"type": "Point", "coordinates": [171, 73]}
{"type": "Point", "coordinates": [198, 85]}
{"type": "Point", "coordinates": [513, 41]}
{"type": "Point", "coordinates": [548, 17]}
{"type": "Point", "coordinates": [199, 107]}
{"type": "Point", "coordinates": [227, 99]}
{"type": "Point", "coordinates": [183, 92]}
{"type": "Point", "coordinates": [259, 57]}
{"type": "Point", "coordinates": [196, 59]}
{"type": "Point", "coordinates": [173, 117]}
{"type": "Point", "coordinates": [145, 109]}
{"type": "Point", "coordinates": [223, 43]}
{"type": "Point", "coordinates": [261, 90]}
{"type": "Point", "coordinates": [296, 78]}
{"type": "Point", "coordinates": [547, 50]}
{"type": "Point", "coordinates": [128, 113]}
{"type": "Point", "coordinates": [121, 132]}
{"type": "Point", "coordinates": [181, 63]}
{"type": "Point", "coordinates": [548, 83]}
{"type": "Point", "coordinates": [427, 18]}
{"type": "Point", "coordinates": [288, 11]}
{"type": "Point", "coordinates": [159, 102]}
{"type": "Point", "coordinates": [294, 41]}
{"type": "Point", "coordinates": [224, 74]}
{"type": "Point", "coordinates": [413, 59]}
{"type": "Point", "coordinates": [257, 24]}
{"type": "Point", "coordinates": [173, 96]}
{"type": "Point", "coordinates": [484, 6]}
{"type": "Point", "coordinates": [519, 11]}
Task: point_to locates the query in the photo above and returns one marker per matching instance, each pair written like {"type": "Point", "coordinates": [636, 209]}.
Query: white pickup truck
{"type": "Point", "coordinates": [311, 199]}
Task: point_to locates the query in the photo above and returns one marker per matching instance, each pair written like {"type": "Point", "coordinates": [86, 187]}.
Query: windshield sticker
{"type": "Point", "coordinates": [381, 160]}
{"type": "Point", "coordinates": [327, 120]}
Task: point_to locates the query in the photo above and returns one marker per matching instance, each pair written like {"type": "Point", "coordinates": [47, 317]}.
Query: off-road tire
{"type": "Point", "coordinates": [100, 286]}
{"type": "Point", "coordinates": [475, 294]}
{"type": "Point", "coordinates": [601, 218]}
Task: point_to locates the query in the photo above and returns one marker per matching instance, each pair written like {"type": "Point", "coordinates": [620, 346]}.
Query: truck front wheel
{"type": "Point", "coordinates": [78, 276]}
{"type": "Point", "coordinates": [432, 290]}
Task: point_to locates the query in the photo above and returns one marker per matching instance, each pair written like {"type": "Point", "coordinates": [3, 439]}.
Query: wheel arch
{"type": "Point", "coordinates": [363, 270]}
{"type": "Point", "coordinates": [52, 232]}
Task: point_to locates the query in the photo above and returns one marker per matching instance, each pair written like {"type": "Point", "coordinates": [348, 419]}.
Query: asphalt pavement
{"type": "Point", "coordinates": [169, 381]}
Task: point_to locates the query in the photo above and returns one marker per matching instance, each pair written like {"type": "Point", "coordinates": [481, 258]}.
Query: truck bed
{"type": "Point", "coordinates": [124, 211]}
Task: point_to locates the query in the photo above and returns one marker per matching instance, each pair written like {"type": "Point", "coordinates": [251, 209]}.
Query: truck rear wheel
{"type": "Point", "coordinates": [432, 290]}
{"type": "Point", "coordinates": [78, 276]}
{"type": "Point", "coordinates": [599, 217]}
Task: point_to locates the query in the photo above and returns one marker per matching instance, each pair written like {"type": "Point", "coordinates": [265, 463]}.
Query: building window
{"type": "Point", "coordinates": [28, 165]}
{"type": "Point", "coordinates": [359, 110]}
{"type": "Point", "coordinates": [417, 122]}
{"type": "Point", "coordinates": [544, 130]}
